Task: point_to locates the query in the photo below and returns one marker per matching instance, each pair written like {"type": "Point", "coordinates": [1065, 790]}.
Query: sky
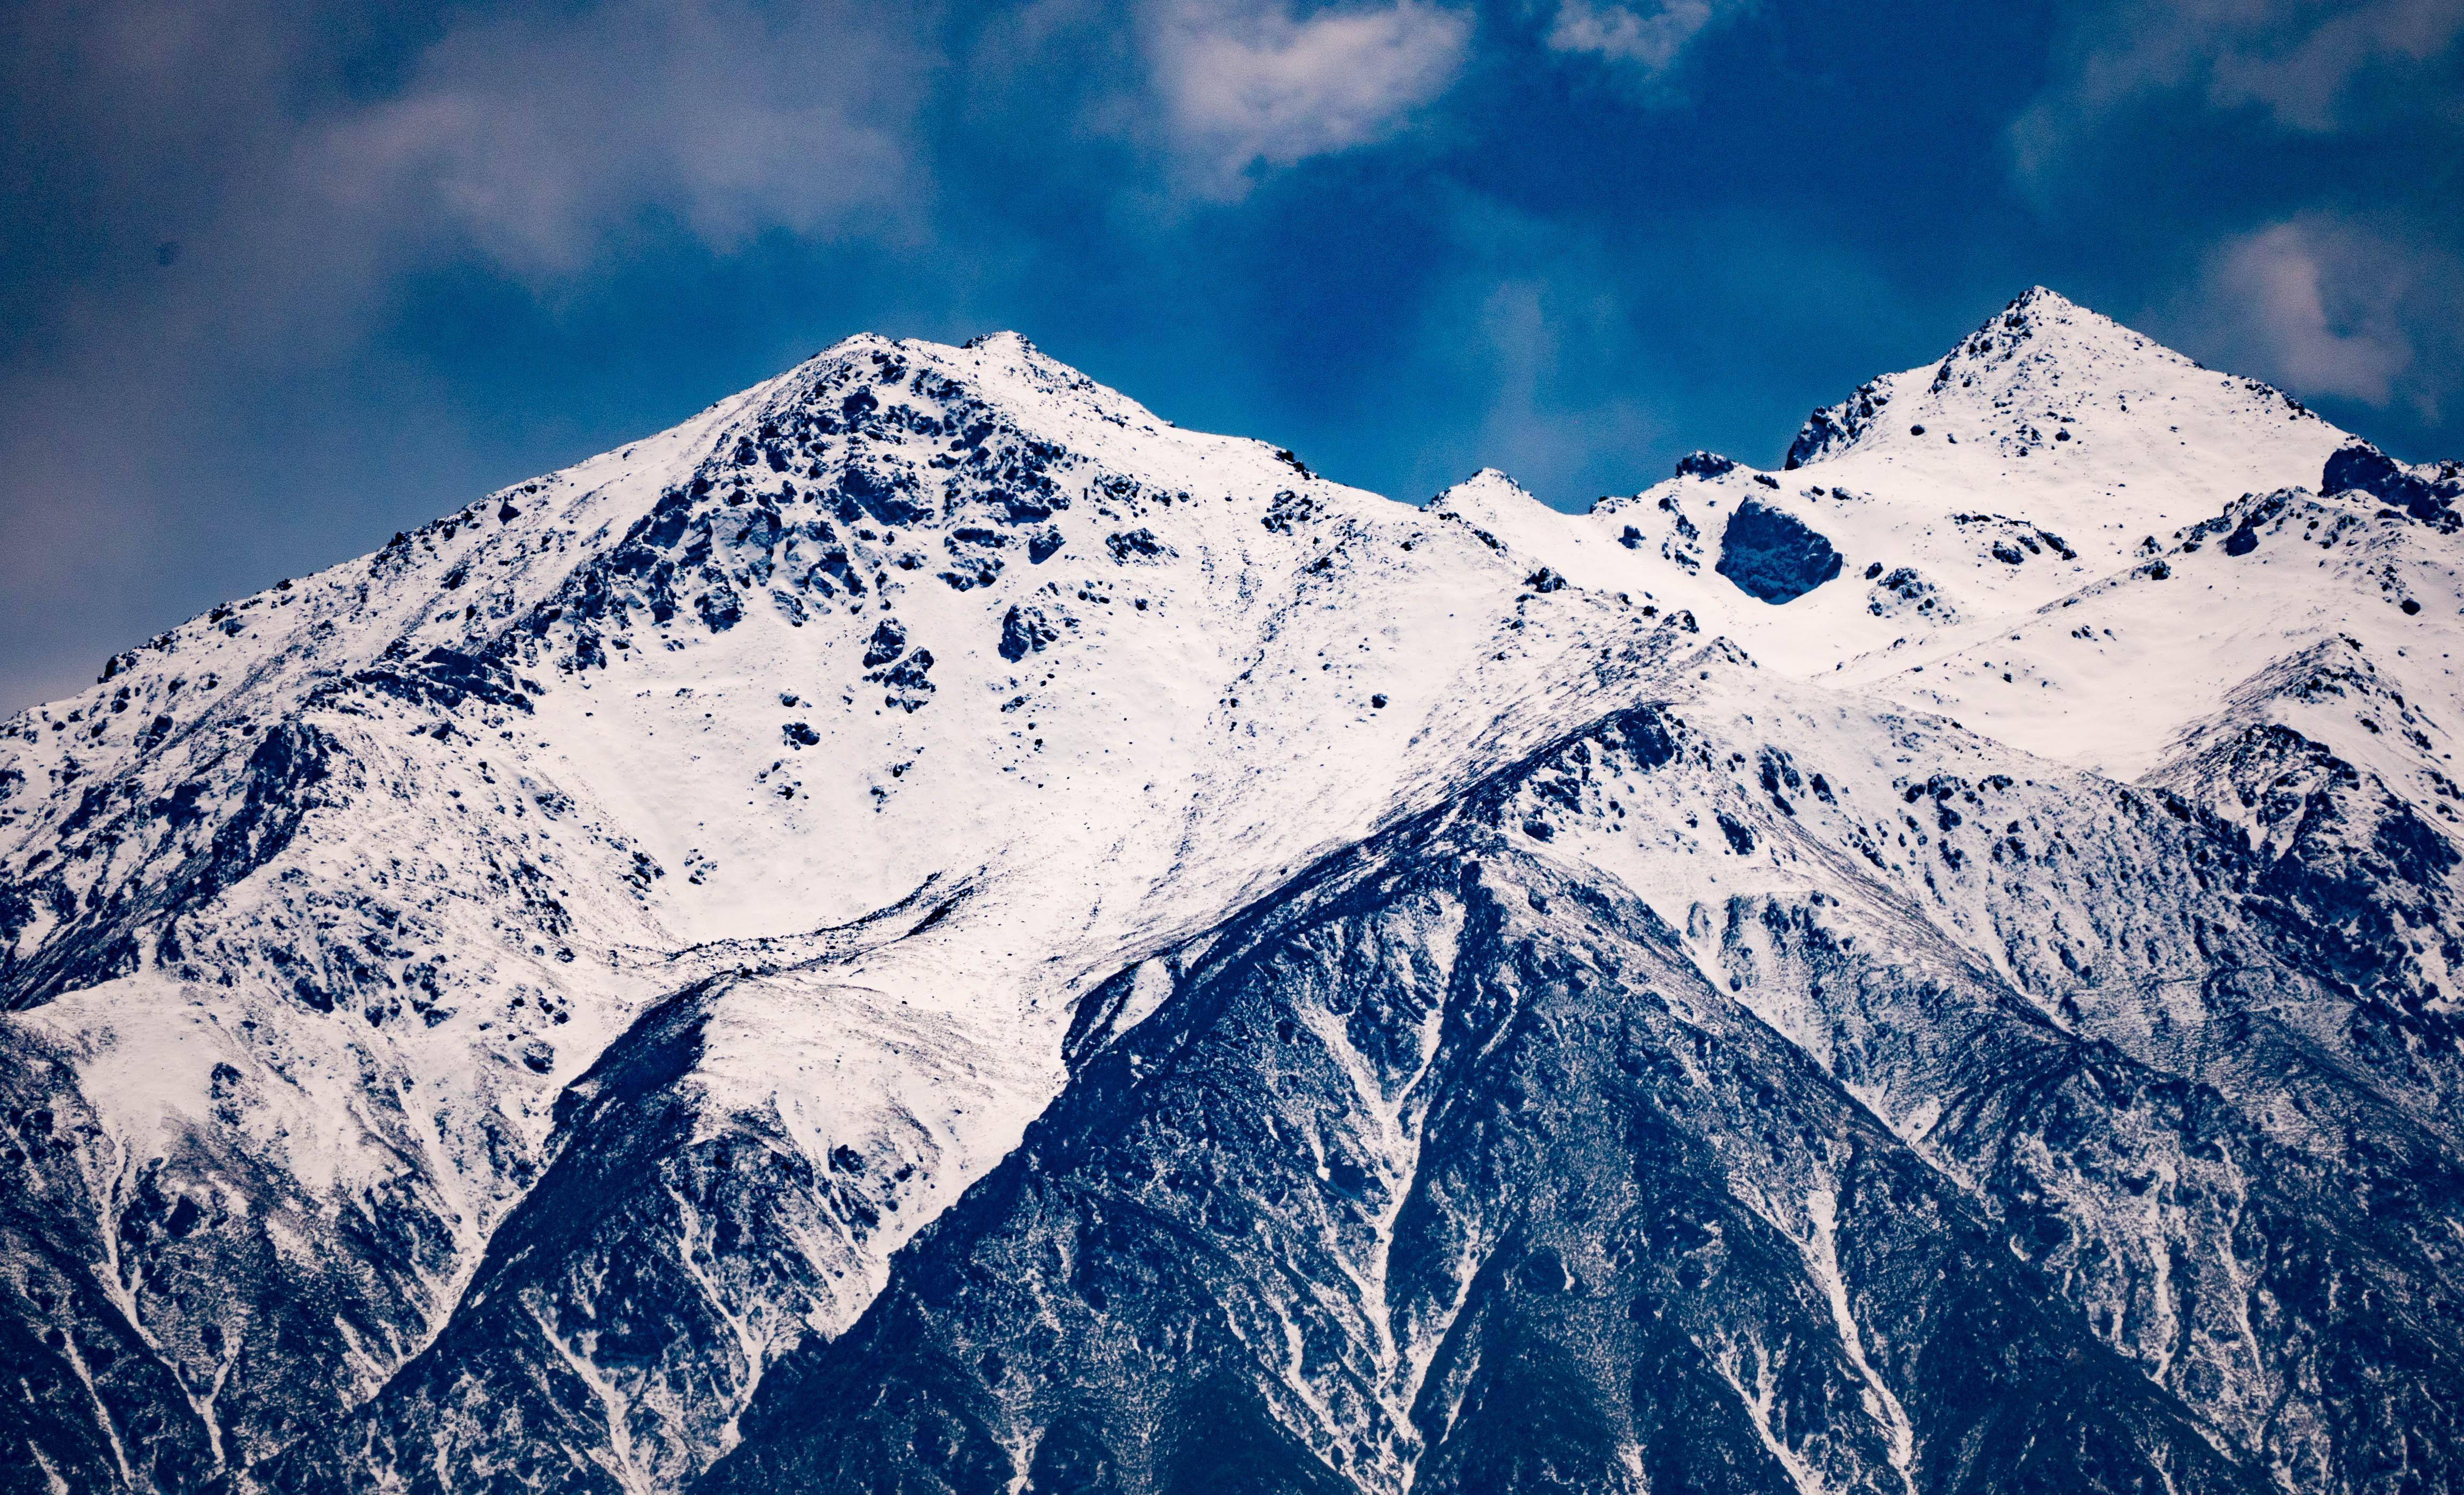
{"type": "Point", "coordinates": [278, 278]}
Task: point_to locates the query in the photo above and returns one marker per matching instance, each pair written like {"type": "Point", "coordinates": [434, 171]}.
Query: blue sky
{"type": "Point", "coordinates": [283, 279]}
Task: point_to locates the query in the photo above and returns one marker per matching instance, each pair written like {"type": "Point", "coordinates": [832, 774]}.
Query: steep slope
{"type": "Point", "coordinates": [2050, 451]}
{"type": "Point", "coordinates": [1488, 1155]}
{"type": "Point", "coordinates": [333, 891]}
{"type": "Point", "coordinates": [1931, 969]}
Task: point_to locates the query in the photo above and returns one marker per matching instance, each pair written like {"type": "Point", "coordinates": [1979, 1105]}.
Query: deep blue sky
{"type": "Point", "coordinates": [281, 278]}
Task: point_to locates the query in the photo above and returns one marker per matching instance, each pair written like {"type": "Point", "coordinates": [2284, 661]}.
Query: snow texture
{"type": "Point", "coordinates": [930, 930]}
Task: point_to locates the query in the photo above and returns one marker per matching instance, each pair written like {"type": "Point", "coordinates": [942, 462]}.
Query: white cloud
{"type": "Point", "coordinates": [542, 138]}
{"type": "Point", "coordinates": [1244, 85]}
{"type": "Point", "coordinates": [546, 146]}
{"type": "Point", "coordinates": [2277, 279]}
{"type": "Point", "coordinates": [2330, 308]}
{"type": "Point", "coordinates": [1534, 336]}
{"type": "Point", "coordinates": [1648, 38]}
{"type": "Point", "coordinates": [2316, 66]}
{"type": "Point", "coordinates": [1537, 336]}
{"type": "Point", "coordinates": [2302, 62]}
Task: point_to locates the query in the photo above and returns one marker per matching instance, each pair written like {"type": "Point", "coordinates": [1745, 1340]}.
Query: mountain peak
{"type": "Point", "coordinates": [2045, 323]}
{"type": "Point", "coordinates": [884, 393]}
{"type": "Point", "coordinates": [2041, 325]}
{"type": "Point", "coordinates": [1003, 341]}
{"type": "Point", "coordinates": [2044, 300]}
{"type": "Point", "coordinates": [500, 1011]}
{"type": "Point", "coordinates": [1488, 483]}
{"type": "Point", "coordinates": [2048, 378]}
{"type": "Point", "coordinates": [1500, 511]}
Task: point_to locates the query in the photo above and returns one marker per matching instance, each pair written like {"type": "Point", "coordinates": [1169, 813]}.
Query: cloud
{"type": "Point", "coordinates": [2304, 62]}
{"type": "Point", "coordinates": [2310, 66]}
{"type": "Point", "coordinates": [1534, 336]}
{"type": "Point", "coordinates": [539, 140]}
{"type": "Point", "coordinates": [2333, 309]}
{"type": "Point", "coordinates": [542, 139]}
{"type": "Point", "coordinates": [1245, 85]}
{"type": "Point", "coordinates": [2278, 280]}
{"type": "Point", "coordinates": [1648, 38]}
{"type": "Point", "coordinates": [312, 164]}
{"type": "Point", "coordinates": [1535, 339]}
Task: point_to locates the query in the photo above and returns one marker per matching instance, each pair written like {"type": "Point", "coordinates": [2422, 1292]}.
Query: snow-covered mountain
{"type": "Point", "coordinates": [928, 929]}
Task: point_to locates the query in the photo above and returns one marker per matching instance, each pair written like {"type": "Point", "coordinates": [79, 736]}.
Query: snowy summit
{"type": "Point", "coordinates": [928, 929]}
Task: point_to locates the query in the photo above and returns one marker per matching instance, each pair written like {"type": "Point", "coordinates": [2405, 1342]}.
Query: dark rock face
{"type": "Point", "coordinates": [909, 681]}
{"type": "Point", "coordinates": [2428, 494]}
{"type": "Point", "coordinates": [1904, 589]}
{"type": "Point", "coordinates": [1835, 427]}
{"type": "Point", "coordinates": [560, 1275]}
{"type": "Point", "coordinates": [1772, 555]}
{"type": "Point", "coordinates": [738, 534]}
{"type": "Point", "coordinates": [888, 641]}
{"type": "Point", "coordinates": [577, 1360]}
{"type": "Point", "coordinates": [1026, 630]}
{"type": "Point", "coordinates": [1703, 1102]}
{"type": "Point", "coordinates": [246, 803]}
{"type": "Point", "coordinates": [1137, 546]}
{"type": "Point", "coordinates": [1446, 1166]}
{"type": "Point", "coordinates": [189, 1294]}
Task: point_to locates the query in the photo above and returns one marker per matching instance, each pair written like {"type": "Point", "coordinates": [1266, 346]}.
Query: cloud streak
{"type": "Point", "coordinates": [539, 149]}
{"type": "Point", "coordinates": [2278, 280]}
{"type": "Point", "coordinates": [2308, 66]}
{"type": "Point", "coordinates": [2333, 309]}
{"type": "Point", "coordinates": [540, 140]}
{"type": "Point", "coordinates": [1646, 39]}
{"type": "Point", "coordinates": [1250, 86]}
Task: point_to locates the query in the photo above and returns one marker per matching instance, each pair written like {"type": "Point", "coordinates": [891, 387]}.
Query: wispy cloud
{"type": "Point", "coordinates": [2277, 279]}
{"type": "Point", "coordinates": [542, 138]}
{"type": "Point", "coordinates": [544, 149]}
{"type": "Point", "coordinates": [1645, 38]}
{"type": "Point", "coordinates": [1536, 335]}
{"type": "Point", "coordinates": [2313, 66]}
{"type": "Point", "coordinates": [2333, 309]}
{"type": "Point", "coordinates": [1249, 85]}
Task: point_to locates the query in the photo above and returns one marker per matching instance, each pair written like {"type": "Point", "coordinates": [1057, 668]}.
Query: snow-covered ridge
{"type": "Point", "coordinates": [675, 879]}
{"type": "Point", "coordinates": [379, 859]}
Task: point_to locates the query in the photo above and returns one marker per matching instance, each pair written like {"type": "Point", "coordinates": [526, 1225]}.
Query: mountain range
{"type": "Point", "coordinates": [928, 929]}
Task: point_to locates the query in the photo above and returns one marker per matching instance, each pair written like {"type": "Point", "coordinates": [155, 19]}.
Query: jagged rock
{"type": "Point", "coordinates": [1334, 995]}
{"type": "Point", "coordinates": [1772, 555]}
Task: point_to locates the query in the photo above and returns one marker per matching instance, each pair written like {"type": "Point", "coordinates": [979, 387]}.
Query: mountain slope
{"type": "Point", "coordinates": [929, 928]}
{"type": "Point", "coordinates": [351, 878]}
{"type": "Point", "coordinates": [1456, 1163]}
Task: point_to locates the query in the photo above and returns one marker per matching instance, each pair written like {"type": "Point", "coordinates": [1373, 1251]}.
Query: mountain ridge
{"type": "Point", "coordinates": [484, 1008]}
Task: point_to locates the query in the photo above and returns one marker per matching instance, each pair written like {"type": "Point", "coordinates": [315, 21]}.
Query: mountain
{"type": "Point", "coordinates": [929, 930]}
